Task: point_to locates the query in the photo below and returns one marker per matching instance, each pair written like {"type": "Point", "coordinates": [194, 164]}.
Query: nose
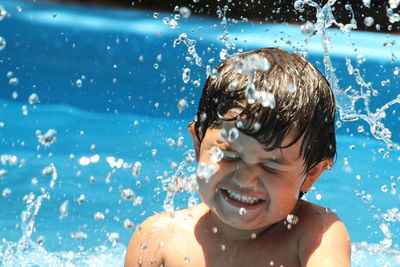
{"type": "Point", "coordinates": [247, 175]}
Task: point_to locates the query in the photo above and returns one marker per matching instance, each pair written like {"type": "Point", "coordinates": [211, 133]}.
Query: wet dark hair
{"type": "Point", "coordinates": [304, 102]}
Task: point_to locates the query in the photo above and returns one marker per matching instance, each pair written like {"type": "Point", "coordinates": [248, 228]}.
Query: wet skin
{"type": "Point", "coordinates": [218, 232]}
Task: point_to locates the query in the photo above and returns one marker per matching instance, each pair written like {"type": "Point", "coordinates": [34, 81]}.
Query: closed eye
{"type": "Point", "coordinates": [269, 169]}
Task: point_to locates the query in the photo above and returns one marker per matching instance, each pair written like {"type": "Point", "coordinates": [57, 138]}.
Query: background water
{"type": "Point", "coordinates": [109, 82]}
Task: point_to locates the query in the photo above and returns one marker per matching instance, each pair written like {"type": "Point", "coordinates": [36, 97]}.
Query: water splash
{"type": "Point", "coordinates": [346, 99]}
{"type": "Point", "coordinates": [183, 180]}
{"type": "Point", "coordinates": [191, 48]}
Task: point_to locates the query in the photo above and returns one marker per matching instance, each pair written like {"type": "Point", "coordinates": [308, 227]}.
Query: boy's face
{"type": "Point", "coordinates": [252, 188]}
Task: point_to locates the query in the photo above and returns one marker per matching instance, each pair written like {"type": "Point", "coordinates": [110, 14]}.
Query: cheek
{"type": "Point", "coordinates": [282, 188]}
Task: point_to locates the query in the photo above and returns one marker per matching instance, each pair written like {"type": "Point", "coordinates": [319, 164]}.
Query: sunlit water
{"type": "Point", "coordinates": [93, 128]}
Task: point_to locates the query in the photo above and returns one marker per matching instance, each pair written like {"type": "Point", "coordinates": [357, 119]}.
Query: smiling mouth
{"type": "Point", "coordinates": [241, 201]}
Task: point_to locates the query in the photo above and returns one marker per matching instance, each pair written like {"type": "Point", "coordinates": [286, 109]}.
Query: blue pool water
{"type": "Point", "coordinates": [125, 106]}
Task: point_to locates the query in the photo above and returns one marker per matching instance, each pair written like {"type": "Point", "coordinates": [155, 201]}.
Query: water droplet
{"type": "Point", "coordinates": [307, 28]}
{"type": "Point", "coordinates": [173, 24]}
{"type": "Point", "coordinates": [252, 63]}
{"type": "Point", "coordinates": [81, 199]}
{"type": "Point", "coordinates": [48, 138]}
{"type": "Point", "coordinates": [223, 247]}
{"type": "Point", "coordinates": [393, 189]}
{"type": "Point", "coordinates": [14, 95]}
{"type": "Point", "coordinates": [352, 147]}
{"type": "Point", "coordinates": [186, 75]}
{"type": "Point", "coordinates": [155, 66]}
{"type": "Point", "coordinates": [99, 216]}
{"type": "Point", "coordinates": [396, 71]}
{"type": "Point", "coordinates": [156, 15]}
{"type": "Point", "coordinates": [166, 20]}
{"type": "Point", "coordinates": [6, 192]}
{"type": "Point", "coordinates": [128, 194]}
{"type": "Point", "coordinates": [233, 134]}
{"type": "Point", "coordinates": [3, 173]}
{"type": "Point", "coordinates": [215, 230]}
{"type": "Point", "coordinates": [369, 21]}
{"type": "Point", "coordinates": [223, 134]}
{"type": "Point", "coordinates": [291, 88]}
{"type": "Point", "coordinates": [292, 219]}
{"type": "Point", "coordinates": [3, 12]}
{"type": "Point", "coordinates": [367, 3]}
{"type": "Point", "coordinates": [24, 110]}
{"type": "Point", "coordinates": [40, 240]}
{"type": "Point", "coordinates": [180, 140]}
{"type": "Point", "coordinates": [253, 236]}
{"type": "Point", "coordinates": [205, 171]}
{"type": "Point", "coordinates": [223, 54]}
{"type": "Point", "coordinates": [267, 99]}
{"type": "Point", "coordinates": [78, 83]}
{"type": "Point", "coordinates": [128, 224]}
{"type": "Point", "coordinates": [182, 105]}
{"type": "Point", "coordinates": [47, 171]}
{"type": "Point", "coordinates": [84, 161]}
{"type": "Point", "coordinates": [79, 235]}
{"type": "Point", "coordinates": [113, 238]}
{"type": "Point", "coordinates": [136, 168]}
{"type": "Point", "coordinates": [153, 152]}
{"type": "Point", "coordinates": [135, 124]}
{"type": "Point", "coordinates": [384, 188]}
{"type": "Point", "coordinates": [318, 196]}
{"type": "Point", "coordinates": [216, 154]}
{"type": "Point", "coordinates": [299, 4]}
{"type": "Point", "coordinates": [196, 83]}
{"type": "Point", "coordinates": [13, 81]}
{"type": "Point", "coordinates": [242, 211]}
{"type": "Point", "coordinates": [232, 86]}
{"type": "Point", "coordinates": [143, 245]}
{"type": "Point", "coordinates": [3, 43]}
{"type": "Point", "coordinates": [64, 209]}
{"type": "Point", "coordinates": [33, 99]}
{"type": "Point", "coordinates": [185, 12]}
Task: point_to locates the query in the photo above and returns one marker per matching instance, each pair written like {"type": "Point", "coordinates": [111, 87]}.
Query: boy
{"type": "Point", "coordinates": [264, 133]}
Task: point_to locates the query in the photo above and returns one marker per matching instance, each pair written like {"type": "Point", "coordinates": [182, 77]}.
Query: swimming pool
{"type": "Point", "coordinates": [110, 86]}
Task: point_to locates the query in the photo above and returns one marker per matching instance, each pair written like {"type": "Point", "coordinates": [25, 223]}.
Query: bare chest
{"type": "Point", "coordinates": [274, 253]}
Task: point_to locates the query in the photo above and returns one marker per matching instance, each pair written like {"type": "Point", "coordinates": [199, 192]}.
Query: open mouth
{"type": "Point", "coordinates": [241, 201]}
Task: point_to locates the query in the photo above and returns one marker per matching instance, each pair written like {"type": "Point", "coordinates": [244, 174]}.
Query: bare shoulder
{"type": "Point", "coordinates": [146, 246]}
{"type": "Point", "coordinates": [324, 240]}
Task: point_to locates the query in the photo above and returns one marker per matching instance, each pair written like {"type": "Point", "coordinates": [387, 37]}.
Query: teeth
{"type": "Point", "coordinates": [245, 199]}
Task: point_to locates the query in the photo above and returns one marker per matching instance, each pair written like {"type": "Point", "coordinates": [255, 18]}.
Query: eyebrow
{"type": "Point", "coordinates": [279, 161]}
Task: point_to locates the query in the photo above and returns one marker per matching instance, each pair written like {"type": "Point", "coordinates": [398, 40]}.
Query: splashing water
{"type": "Point", "coordinates": [346, 102]}
{"type": "Point", "coordinates": [183, 179]}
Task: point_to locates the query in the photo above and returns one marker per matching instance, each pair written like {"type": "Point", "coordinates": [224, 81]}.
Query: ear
{"type": "Point", "coordinates": [196, 141]}
{"type": "Point", "coordinates": [313, 174]}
